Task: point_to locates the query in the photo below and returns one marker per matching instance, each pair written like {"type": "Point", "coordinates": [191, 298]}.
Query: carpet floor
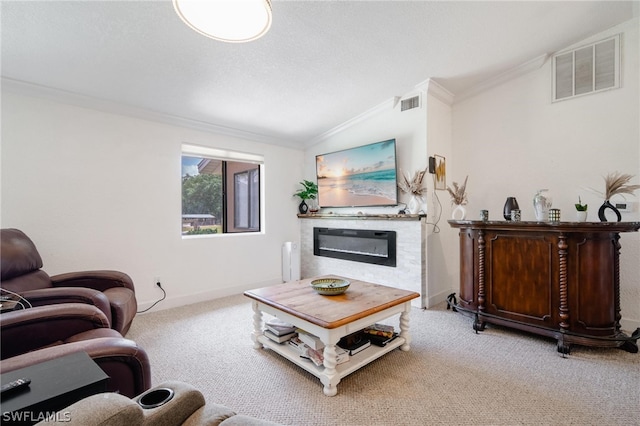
{"type": "Point", "coordinates": [451, 375]}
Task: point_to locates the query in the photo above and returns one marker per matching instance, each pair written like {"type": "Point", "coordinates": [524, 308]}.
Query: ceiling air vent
{"type": "Point", "coordinates": [588, 69]}
{"type": "Point", "coordinates": [410, 103]}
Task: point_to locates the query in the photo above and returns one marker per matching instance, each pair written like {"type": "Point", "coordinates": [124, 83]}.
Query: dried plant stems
{"type": "Point", "coordinates": [413, 186]}
{"type": "Point", "coordinates": [617, 183]}
{"type": "Point", "coordinates": [458, 193]}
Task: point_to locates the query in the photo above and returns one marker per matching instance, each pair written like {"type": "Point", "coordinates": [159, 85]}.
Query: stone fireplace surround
{"type": "Point", "coordinates": [373, 246]}
{"type": "Point", "coordinates": [410, 271]}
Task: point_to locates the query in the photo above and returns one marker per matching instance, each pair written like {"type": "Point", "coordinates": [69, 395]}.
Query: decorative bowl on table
{"type": "Point", "coordinates": [330, 286]}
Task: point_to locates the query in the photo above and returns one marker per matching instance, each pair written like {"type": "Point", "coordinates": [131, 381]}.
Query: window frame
{"type": "Point", "coordinates": [250, 226]}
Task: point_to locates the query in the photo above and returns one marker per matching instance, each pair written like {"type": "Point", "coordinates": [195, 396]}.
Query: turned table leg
{"type": "Point", "coordinates": [330, 377]}
{"type": "Point", "coordinates": [257, 325]}
{"type": "Point", "coordinates": [404, 329]}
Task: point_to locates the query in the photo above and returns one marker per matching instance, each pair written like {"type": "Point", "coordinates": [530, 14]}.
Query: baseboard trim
{"type": "Point", "coordinates": [189, 299]}
{"type": "Point", "coordinates": [437, 298]}
{"type": "Point", "coordinates": [629, 325]}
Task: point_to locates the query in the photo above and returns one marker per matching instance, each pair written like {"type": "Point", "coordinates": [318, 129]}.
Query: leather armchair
{"type": "Point", "coordinates": [111, 291]}
{"type": "Point", "coordinates": [26, 330]}
{"type": "Point", "coordinates": [39, 334]}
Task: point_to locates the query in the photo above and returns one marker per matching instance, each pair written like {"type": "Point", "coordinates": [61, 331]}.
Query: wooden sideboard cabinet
{"type": "Point", "coordinates": [560, 280]}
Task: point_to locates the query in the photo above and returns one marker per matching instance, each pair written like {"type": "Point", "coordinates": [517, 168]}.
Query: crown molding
{"type": "Point", "coordinates": [428, 86]}
{"type": "Point", "coordinates": [84, 101]}
{"type": "Point", "coordinates": [431, 87]}
{"type": "Point", "coordinates": [522, 69]}
{"type": "Point", "coordinates": [388, 104]}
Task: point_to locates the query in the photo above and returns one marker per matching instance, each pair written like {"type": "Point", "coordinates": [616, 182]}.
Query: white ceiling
{"type": "Point", "coordinates": [321, 64]}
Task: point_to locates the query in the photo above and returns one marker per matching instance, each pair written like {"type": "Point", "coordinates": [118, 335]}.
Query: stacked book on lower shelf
{"type": "Point", "coordinates": [310, 347]}
{"type": "Point", "coordinates": [380, 334]}
{"type": "Point", "coordinates": [279, 331]}
{"type": "Point", "coordinates": [355, 343]}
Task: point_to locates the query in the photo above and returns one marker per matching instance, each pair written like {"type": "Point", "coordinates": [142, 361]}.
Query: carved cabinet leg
{"type": "Point", "coordinates": [563, 347]}
{"type": "Point", "coordinates": [478, 325]}
{"type": "Point", "coordinates": [564, 284]}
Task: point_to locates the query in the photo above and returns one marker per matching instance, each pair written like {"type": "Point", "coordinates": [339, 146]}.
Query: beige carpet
{"type": "Point", "coordinates": [451, 376]}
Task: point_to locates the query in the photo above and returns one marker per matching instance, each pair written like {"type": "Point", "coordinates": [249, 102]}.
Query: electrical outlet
{"type": "Point", "coordinates": [623, 205]}
{"type": "Point", "coordinates": [626, 206]}
{"type": "Point", "coordinates": [156, 280]}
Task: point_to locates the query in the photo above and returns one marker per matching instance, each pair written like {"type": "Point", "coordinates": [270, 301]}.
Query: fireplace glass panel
{"type": "Point", "coordinates": [365, 246]}
{"type": "Point", "coordinates": [359, 245]}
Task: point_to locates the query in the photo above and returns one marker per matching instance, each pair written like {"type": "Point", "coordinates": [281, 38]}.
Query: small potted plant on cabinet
{"type": "Point", "coordinates": [581, 211]}
{"type": "Point", "coordinates": [309, 191]}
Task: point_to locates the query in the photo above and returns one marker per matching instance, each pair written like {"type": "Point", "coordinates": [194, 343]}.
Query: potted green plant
{"type": "Point", "coordinates": [581, 211]}
{"type": "Point", "coordinates": [309, 191]}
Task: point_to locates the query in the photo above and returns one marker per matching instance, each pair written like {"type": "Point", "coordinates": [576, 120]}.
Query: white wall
{"type": "Point", "coordinates": [96, 190]}
{"type": "Point", "coordinates": [512, 141]}
{"type": "Point", "coordinates": [409, 130]}
{"type": "Point", "coordinates": [443, 263]}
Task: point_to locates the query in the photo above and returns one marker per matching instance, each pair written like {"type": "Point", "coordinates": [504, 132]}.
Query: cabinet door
{"type": "Point", "coordinates": [591, 283]}
{"type": "Point", "coordinates": [522, 277]}
{"type": "Point", "coordinates": [468, 297]}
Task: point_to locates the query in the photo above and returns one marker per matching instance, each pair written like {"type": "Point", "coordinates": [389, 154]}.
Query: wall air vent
{"type": "Point", "coordinates": [588, 69]}
{"type": "Point", "coordinates": [410, 103]}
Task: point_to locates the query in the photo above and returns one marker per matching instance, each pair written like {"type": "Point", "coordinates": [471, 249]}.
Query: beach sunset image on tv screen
{"type": "Point", "coordinates": [358, 177]}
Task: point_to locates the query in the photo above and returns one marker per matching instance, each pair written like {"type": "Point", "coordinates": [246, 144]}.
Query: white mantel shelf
{"type": "Point", "coordinates": [363, 216]}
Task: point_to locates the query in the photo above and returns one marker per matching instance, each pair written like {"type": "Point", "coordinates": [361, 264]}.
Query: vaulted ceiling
{"type": "Point", "coordinates": [321, 64]}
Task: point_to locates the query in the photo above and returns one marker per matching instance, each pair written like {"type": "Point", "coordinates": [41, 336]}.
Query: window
{"type": "Point", "coordinates": [220, 191]}
{"type": "Point", "coordinates": [246, 207]}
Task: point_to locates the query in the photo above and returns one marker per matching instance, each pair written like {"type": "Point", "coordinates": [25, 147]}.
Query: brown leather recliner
{"type": "Point", "coordinates": [111, 291]}
{"type": "Point", "coordinates": [43, 333]}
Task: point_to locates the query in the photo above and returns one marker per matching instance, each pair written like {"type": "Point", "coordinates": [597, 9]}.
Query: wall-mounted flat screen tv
{"type": "Point", "coordinates": [364, 176]}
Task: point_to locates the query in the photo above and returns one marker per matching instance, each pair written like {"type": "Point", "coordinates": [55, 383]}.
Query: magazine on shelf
{"type": "Point", "coordinates": [317, 357]}
{"type": "Point", "coordinates": [298, 345]}
{"type": "Point", "coordinates": [342, 355]}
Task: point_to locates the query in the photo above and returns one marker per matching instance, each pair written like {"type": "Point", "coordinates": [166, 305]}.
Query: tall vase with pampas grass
{"type": "Point", "coordinates": [615, 183]}
{"type": "Point", "coordinates": [416, 188]}
{"type": "Point", "coordinates": [458, 199]}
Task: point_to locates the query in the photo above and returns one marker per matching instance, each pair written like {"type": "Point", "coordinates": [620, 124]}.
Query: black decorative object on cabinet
{"type": "Point", "coordinates": [510, 204]}
{"type": "Point", "coordinates": [303, 208]}
{"type": "Point", "coordinates": [602, 211]}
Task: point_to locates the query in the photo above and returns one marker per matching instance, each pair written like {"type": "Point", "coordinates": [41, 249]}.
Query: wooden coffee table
{"type": "Point", "coordinates": [331, 318]}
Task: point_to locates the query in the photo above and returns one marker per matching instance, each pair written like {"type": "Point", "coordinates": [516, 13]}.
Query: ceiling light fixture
{"type": "Point", "coordinates": [233, 21]}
